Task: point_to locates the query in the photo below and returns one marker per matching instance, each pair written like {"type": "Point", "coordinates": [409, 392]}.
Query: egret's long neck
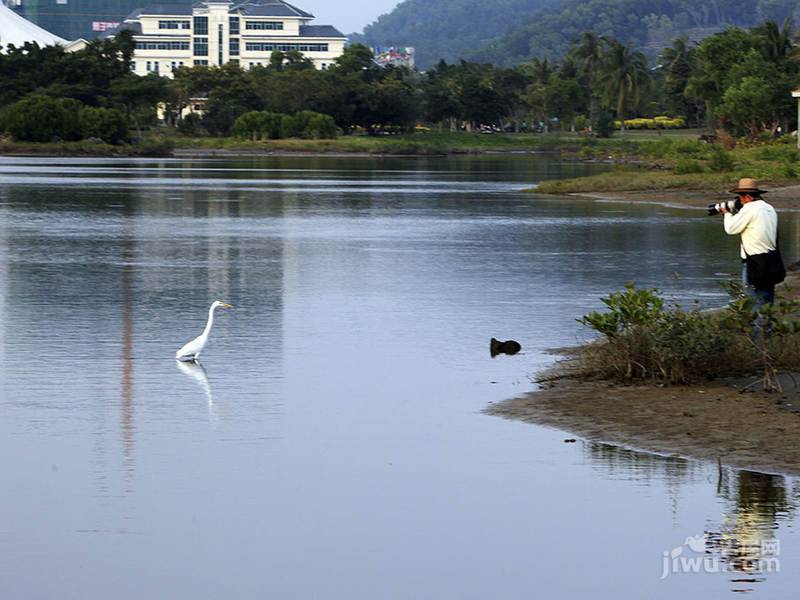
{"type": "Point", "coordinates": [207, 330]}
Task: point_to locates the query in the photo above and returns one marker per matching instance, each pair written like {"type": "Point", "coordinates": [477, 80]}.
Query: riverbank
{"type": "Point", "coordinates": [681, 171]}
{"type": "Point", "coordinates": [167, 143]}
{"type": "Point", "coordinates": [99, 149]}
{"type": "Point", "coordinates": [728, 420]}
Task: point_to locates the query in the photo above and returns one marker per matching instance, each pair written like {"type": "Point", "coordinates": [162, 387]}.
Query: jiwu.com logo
{"type": "Point", "coordinates": [694, 556]}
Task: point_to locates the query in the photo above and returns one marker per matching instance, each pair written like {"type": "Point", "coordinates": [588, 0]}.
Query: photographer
{"type": "Point", "coordinates": [757, 222]}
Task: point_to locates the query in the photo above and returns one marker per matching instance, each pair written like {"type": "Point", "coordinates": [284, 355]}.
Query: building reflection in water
{"type": "Point", "coordinates": [127, 424]}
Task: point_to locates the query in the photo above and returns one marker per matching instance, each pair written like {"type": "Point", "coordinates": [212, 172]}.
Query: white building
{"type": "Point", "coordinates": [215, 32]}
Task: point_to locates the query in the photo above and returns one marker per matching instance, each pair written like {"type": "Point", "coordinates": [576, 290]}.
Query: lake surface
{"type": "Point", "coordinates": [332, 443]}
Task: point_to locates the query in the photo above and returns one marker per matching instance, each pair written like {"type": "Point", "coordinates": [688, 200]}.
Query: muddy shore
{"type": "Point", "coordinates": [751, 430]}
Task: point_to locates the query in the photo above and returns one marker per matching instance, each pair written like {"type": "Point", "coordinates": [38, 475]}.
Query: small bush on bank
{"type": "Point", "coordinates": [308, 124]}
{"type": "Point", "coordinates": [721, 160]}
{"type": "Point", "coordinates": [646, 341]}
{"type": "Point", "coordinates": [42, 119]}
{"type": "Point", "coordinates": [260, 125]}
{"type": "Point", "coordinates": [107, 124]}
{"type": "Point", "coordinates": [192, 125]}
{"type": "Point", "coordinates": [661, 122]}
{"type": "Point", "coordinates": [685, 166]}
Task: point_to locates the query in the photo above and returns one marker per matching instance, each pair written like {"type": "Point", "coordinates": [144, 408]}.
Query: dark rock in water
{"type": "Point", "coordinates": [508, 347]}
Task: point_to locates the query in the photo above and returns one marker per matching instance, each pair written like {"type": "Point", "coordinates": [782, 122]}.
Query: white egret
{"type": "Point", "coordinates": [191, 351]}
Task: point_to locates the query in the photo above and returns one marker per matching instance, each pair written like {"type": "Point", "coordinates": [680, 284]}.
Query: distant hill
{"type": "Point", "coordinates": [648, 24]}
{"type": "Point", "coordinates": [448, 29]}
{"type": "Point", "coordinates": [507, 32]}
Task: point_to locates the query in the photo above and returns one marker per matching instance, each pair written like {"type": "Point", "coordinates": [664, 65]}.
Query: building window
{"type": "Point", "coordinates": [220, 45]}
{"type": "Point", "coordinates": [155, 67]}
{"type": "Point", "coordinates": [174, 24]}
{"type": "Point", "coordinates": [270, 47]}
{"type": "Point", "coordinates": [200, 62]}
{"type": "Point", "coordinates": [201, 46]}
{"type": "Point", "coordinates": [133, 66]}
{"type": "Point", "coordinates": [233, 25]}
{"type": "Point", "coordinates": [162, 45]}
{"type": "Point", "coordinates": [234, 47]}
{"type": "Point", "coordinates": [234, 61]}
{"type": "Point", "coordinates": [201, 25]}
{"type": "Point", "coordinates": [148, 66]}
{"type": "Point", "coordinates": [274, 25]}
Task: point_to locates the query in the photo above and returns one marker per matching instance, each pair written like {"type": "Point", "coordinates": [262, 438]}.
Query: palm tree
{"type": "Point", "coordinates": [588, 51]}
{"type": "Point", "coordinates": [678, 63]}
{"type": "Point", "coordinates": [623, 76]}
{"type": "Point", "coordinates": [775, 42]}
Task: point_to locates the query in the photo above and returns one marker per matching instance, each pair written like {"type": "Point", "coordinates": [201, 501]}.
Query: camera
{"type": "Point", "coordinates": [732, 206]}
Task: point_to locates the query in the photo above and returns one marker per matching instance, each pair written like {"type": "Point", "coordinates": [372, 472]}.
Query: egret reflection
{"type": "Point", "coordinates": [198, 372]}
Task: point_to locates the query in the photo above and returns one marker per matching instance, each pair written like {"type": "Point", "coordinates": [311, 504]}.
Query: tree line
{"type": "Point", "coordinates": [739, 80]}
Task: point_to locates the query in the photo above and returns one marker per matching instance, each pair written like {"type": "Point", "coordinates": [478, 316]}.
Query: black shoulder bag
{"type": "Point", "coordinates": [767, 269]}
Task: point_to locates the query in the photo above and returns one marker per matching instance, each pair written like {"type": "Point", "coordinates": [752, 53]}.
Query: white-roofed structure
{"type": "Point", "coordinates": [17, 30]}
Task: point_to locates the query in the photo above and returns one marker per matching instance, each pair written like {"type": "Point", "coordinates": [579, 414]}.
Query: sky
{"type": "Point", "coordinates": [347, 16]}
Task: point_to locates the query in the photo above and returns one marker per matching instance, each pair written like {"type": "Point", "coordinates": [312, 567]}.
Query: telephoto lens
{"type": "Point", "coordinates": [732, 206]}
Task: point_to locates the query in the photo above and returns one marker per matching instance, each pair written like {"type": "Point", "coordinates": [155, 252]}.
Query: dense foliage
{"type": "Point", "coordinates": [736, 79]}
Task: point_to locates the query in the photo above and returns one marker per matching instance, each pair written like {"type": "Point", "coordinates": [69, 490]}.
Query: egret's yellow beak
{"type": "Point", "coordinates": [224, 305]}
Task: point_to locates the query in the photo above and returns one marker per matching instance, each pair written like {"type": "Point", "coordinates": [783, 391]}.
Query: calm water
{"type": "Point", "coordinates": [332, 444]}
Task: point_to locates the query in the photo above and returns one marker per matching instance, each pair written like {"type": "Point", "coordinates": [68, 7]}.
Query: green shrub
{"type": "Point", "coordinates": [788, 170]}
{"type": "Point", "coordinates": [191, 124]}
{"type": "Point", "coordinates": [654, 123]}
{"type": "Point", "coordinates": [604, 125]}
{"type": "Point", "coordinates": [721, 161]}
{"type": "Point", "coordinates": [779, 152]}
{"type": "Point", "coordinates": [258, 125]}
{"type": "Point", "coordinates": [42, 119]}
{"type": "Point", "coordinates": [685, 166]}
{"type": "Point", "coordinates": [644, 340]}
{"type": "Point", "coordinates": [107, 124]}
{"type": "Point", "coordinates": [308, 124]}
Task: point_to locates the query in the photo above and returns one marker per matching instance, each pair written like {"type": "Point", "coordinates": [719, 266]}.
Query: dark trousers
{"type": "Point", "coordinates": [761, 296]}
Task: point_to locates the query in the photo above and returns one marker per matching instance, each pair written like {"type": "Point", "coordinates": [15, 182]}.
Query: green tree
{"type": "Point", "coordinates": [678, 64]}
{"type": "Point", "coordinates": [42, 119]}
{"type": "Point", "coordinates": [747, 106]}
{"type": "Point", "coordinates": [623, 77]}
{"type": "Point", "coordinates": [715, 56]}
{"type": "Point", "coordinates": [107, 124]}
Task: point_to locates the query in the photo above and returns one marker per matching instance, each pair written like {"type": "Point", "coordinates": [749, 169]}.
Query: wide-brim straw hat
{"type": "Point", "coordinates": [747, 186]}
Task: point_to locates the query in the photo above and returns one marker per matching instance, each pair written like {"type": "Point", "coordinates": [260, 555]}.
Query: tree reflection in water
{"type": "Point", "coordinates": [743, 541]}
